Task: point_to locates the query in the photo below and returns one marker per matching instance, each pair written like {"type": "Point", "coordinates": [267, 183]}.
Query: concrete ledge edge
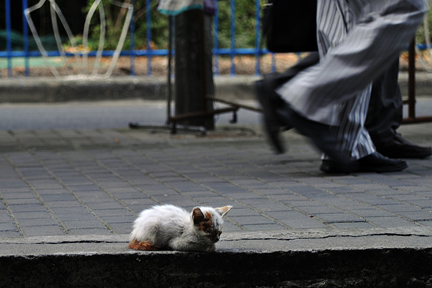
{"type": "Point", "coordinates": [49, 89]}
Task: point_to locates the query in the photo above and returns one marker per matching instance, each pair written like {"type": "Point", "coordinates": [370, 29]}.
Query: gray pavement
{"type": "Point", "coordinates": [67, 193]}
{"type": "Point", "coordinates": [95, 182]}
{"type": "Point", "coordinates": [104, 114]}
{"type": "Point", "coordinates": [71, 192]}
{"type": "Point", "coordinates": [118, 114]}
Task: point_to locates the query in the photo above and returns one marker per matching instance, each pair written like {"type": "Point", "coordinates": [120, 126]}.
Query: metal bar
{"type": "Point", "coordinates": [107, 53]}
{"type": "Point", "coordinates": [158, 52]}
{"type": "Point", "coordinates": [148, 21]}
{"type": "Point", "coordinates": [170, 44]}
{"type": "Point", "coordinates": [417, 120]}
{"type": "Point", "coordinates": [202, 114]}
{"type": "Point", "coordinates": [232, 21]}
{"type": "Point", "coordinates": [411, 80]}
{"type": "Point", "coordinates": [26, 40]}
{"type": "Point", "coordinates": [422, 46]}
{"type": "Point", "coordinates": [411, 101]}
{"type": "Point", "coordinates": [216, 40]}
{"type": "Point", "coordinates": [162, 52]}
{"type": "Point", "coordinates": [257, 36]}
{"type": "Point", "coordinates": [236, 104]}
{"type": "Point", "coordinates": [239, 51]}
{"type": "Point", "coordinates": [132, 43]}
{"type": "Point", "coordinates": [8, 36]}
{"type": "Point", "coordinates": [273, 65]}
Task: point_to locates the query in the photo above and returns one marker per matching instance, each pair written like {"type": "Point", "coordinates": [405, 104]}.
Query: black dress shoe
{"type": "Point", "coordinates": [398, 147]}
{"type": "Point", "coordinates": [272, 125]}
{"type": "Point", "coordinates": [371, 163]}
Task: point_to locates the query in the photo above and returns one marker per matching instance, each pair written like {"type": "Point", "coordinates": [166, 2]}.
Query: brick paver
{"type": "Point", "coordinates": [67, 182]}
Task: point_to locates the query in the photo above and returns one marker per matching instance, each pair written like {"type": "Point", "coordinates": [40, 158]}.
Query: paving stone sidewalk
{"type": "Point", "coordinates": [95, 182]}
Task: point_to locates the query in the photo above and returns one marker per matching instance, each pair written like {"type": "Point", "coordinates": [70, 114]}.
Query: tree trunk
{"type": "Point", "coordinates": [193, 66]}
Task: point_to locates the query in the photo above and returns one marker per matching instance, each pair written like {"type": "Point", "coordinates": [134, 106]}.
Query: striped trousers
{"type": "Point", "coordinates": [357, 40]}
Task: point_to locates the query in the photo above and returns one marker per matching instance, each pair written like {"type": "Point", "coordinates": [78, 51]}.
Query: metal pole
{"type": "Point", "coordinates": [8, 37]}
{"type": "Point", "coordinates": [132, 44]}
{"type": "Point", "coordinates": [26, 40]}
{"type": "Point", "coordinates": [411, 81]}
{"type": "Point", "coordinates": [411, 119]}
{"type": "Point", "coordinates": [232, 52]}
{"type": "Point", "coordinates": [273, 62]}
{"type": "Point", "coordinates": [169, 97]}
{"type": "Point", "coordinates": [216, 39]}
{"type": "Point", "coordinates": [148, 21]}
{"type": "Point", "coordinates": [257, 36]}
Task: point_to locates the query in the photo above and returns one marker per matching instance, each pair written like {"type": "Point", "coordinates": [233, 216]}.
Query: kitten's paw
{"type": "Point", "coordinates": [143, 245]}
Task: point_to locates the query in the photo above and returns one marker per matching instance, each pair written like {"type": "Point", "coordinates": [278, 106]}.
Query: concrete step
{"type": "Point", "coordinates": [48, 89]}
{"type": "Point", "coordinates": [378, 258]}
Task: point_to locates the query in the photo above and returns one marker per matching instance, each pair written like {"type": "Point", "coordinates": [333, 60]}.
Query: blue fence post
{"type": "Point", "coordinates": [8, 37]}
{"type": "Point", "coordinates": [257, 36]}
{"type": "Point", "coordinates": [26, 40]}
{"type": "Point", "coordinates": [273, 62]}
{"type": "Point", "coordinates": [216, 39]}
{"type": "Point", "coordinates": [232, 50]}
{"type": "Point", "coordinates": [132, 43]}
{"type": "Point", "coordinates": [148, 21]}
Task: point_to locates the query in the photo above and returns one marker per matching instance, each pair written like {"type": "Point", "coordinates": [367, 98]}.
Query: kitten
{"type": "Point", "coordinates": [171, 227]}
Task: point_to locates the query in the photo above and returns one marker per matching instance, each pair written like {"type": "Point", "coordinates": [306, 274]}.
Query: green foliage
{"type": "Point", "coordinates": [115, 17]}
{"type": "Point", "coordinates": [420, 35]}
{"type": "Point", "coordinates": [244, 25]}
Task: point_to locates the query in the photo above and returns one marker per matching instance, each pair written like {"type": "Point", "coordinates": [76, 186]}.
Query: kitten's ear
{"type": "Point", "coordinates": [223, 210]}
{"type": "Point", "coordinates": [197, 215]}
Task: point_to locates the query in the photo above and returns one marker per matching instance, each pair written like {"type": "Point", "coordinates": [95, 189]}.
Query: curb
{"type": "Point", "coordinates": [408, 267]}
{"type": "Point", "coordinates": [33, 90]}
{"type": "Point", "coordinates": [243, 259]}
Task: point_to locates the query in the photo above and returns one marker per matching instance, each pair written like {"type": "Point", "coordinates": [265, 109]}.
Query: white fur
{"type": "Point", "coordinates": [172, 227]}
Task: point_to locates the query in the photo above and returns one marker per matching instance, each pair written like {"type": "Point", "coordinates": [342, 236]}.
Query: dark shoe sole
{"type": "Point", "coordinates": [382, 169]}
{"type": "Point", "coordinates": [331, 167]}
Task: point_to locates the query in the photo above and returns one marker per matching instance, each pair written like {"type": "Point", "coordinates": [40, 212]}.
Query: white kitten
{"type": "Point", "coordinates": [171, 227]}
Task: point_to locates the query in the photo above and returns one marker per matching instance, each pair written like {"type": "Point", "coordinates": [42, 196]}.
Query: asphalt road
{"type": "Point", "coordinates": [117, 114]}
{"type": "Point", "coordinates": [95, 115]}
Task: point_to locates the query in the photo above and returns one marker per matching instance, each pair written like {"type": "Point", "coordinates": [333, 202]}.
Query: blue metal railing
{"type": "Point", "coordinates": [232, 51]}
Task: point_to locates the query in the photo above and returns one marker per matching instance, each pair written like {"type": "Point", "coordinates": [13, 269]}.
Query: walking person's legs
{"type": "Point", "coordinates": [380, 29]}
{"type": "Point", "coordinates": [385, 116]}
